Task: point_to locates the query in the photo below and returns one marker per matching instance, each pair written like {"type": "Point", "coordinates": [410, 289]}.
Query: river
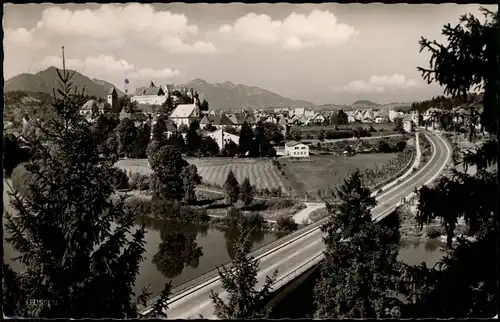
{"type": "Point", "coordinates": [181, 252]}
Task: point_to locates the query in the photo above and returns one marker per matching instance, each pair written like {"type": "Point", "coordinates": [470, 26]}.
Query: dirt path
{"type": "Point", "coordinates": [303, 215]}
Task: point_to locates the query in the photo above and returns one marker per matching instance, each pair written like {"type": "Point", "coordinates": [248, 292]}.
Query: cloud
{"type": "Point", "coordinates": [115, 23]}
{"type": "Point", "coordinates": [294, 32]}
{"type": "Point", "coordinates": [23, 37]}
{"type": "Point", "coordinates": [109, 21]}
{"type": "Point", "coordinates": [378, 84]}
{"type": "Point", "coordinates": [177, 45]}
{"type": "Point", "coordinates": [104, 66]}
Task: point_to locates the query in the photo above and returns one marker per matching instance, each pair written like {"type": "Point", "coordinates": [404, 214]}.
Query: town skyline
{"type": "Point", "coordinates": [327, 53]}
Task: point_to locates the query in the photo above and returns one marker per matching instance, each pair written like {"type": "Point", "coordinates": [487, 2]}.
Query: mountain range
{"type": "Point", "coordinates": [46, 80]}
{"type": "Point", "coordinates": [229, 96]}
{"type": "Point", "coordinates": [226, 95]}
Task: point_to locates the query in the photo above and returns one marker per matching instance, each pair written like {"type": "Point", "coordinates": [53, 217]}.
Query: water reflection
{"type": "Point", "coordinates": [413, 251]}
{"type": "Point", "coordinates": [178, 247]}
{"type": "Point", "coordinates": [432, 244]}
{"type": "Point", "coordinates": [231, 236]}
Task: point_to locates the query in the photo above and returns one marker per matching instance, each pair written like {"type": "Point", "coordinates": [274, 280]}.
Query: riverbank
{"type": "Point", "coordinates": [211, 209]}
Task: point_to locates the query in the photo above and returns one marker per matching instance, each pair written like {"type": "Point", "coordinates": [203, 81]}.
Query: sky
{"type": "Point", "coordinates": [323, 53]}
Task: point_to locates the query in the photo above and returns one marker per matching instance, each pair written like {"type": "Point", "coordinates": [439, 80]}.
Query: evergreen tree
{"type": "Point", "coordinates": [246, 137]}
{"type": "Point", "coordinates": [190, 179]}
{"type": "Point", "coordinates": [398, 125]}
{"type": "Point", "coordinates": [358, 276]}
{"type": "Point", "coordinates": [160, 128]}
{"type": "Point", "coordinates": [230, 149]}
{"type": "Point", "coordinates": [74, 260]}
{"type": "Point", "coordinates": [204, 106]}
{"type": "Point", "coordinates": [126, 135]}
{"type": "Point", "coordinates": [341, 118]}
{"type": "Point", "coordinates": [239, 282]}
{"type": "Point", "coordinates": [208, 147]}
{"type": "Point", "coordinates": [142, 141]}
{"type": "Point", "coordinates": [153, 147]}
{"type": "Point", "coordinates": [465, 283]}
{"type": "Point", "coordinates": [231, 188]}
{"type": "Point", "coordinates": [168, 106]}
{"type": "Point", "coordinates": [177, 140]}
{"type": "Point", "coordinates": [193, 138]}
{"type": "Point", "coordinates": [258, 146]}
{"type": "Point", "coordinates": [246, 193]}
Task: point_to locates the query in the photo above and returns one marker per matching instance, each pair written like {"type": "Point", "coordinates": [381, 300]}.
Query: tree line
{"type": "Point", "coordinates": [445, 103]}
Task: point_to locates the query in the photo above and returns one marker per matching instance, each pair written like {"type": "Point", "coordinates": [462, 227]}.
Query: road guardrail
{"type": "Point", "coordinates": [259, 253]}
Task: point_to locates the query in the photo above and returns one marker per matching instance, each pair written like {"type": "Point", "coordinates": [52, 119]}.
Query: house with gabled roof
{"type": "Point", "coordinates": [296, 149]}
{"type": "Point", "coordinates": [222, 138]}
{"type": "Point", "coordinates": [318, 119]}
{"type": "Point", "coordinates": [93, 108]}
{"type": "Point", "coordinates": [219, 121]}
{"type": "Point", "coordinates": [237, 119]}
{"type": "Point", "coordinates": [185, 114]}
{"type": "Point", "coordinates": [295, 120]}
{"type": "Point", "coordinates": [283, 121]}
{"type": "Point", "coordinates": [171, 127]}
{"type": "Point", "coordinates": [367, 117]}
{"type": "Point", "coordinates": [309, 113]}
{"type": "Point", "coordinates": [350, 117]}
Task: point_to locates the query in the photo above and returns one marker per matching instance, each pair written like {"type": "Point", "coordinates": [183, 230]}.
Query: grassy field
{"type": "Point", "coordinates": [214, 171]}
{"type": "Point", "coordinates": [325, 171]}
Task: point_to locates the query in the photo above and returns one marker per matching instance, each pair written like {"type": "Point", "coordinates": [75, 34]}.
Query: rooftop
{"type": "Point", "coordinates": [183, 110]}
{"type": "Point", "coordinates": [292, 143]}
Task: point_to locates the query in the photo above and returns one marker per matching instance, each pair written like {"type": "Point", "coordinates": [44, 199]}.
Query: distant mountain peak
{"type": "Point", "coordinates": [46, 80]}
{"type": "Point", "coordinates": [197, 81]}
{"type": "Point", "coordinates": [229, 96]}
{"type": "Point", "coordinates": [365, 102]}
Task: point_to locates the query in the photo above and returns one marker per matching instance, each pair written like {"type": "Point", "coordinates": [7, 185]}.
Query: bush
{"type": "Point", "coordinates": [120, 179]}
{"type": "Point", "coordinates": [400, 146]}
{"type": "Point", "coordinates": [143, 183]}
{"type": "Point", "coordinates": [281, 204]}
{"type": "Point", "coordinates": [277, 192]}
{"type": "Point", "coordinates": [331, 135]}
{"type": "Point", "coordinates": [166, 210]}
{"type": "Point", "coordinates": [434, 232]}
{"type": "Point", "coordinates": [233, 217]}
{"type": "Point", "coordinates": [138, 181]}
{"type": "Point", "coordinates": [254, 220]}
{"type": "Point", "coordinates": [142, 206]}
{"type": "Point", "coordinates": [383, 147]}
{"type": "Point", "coordinates": [286, 224]}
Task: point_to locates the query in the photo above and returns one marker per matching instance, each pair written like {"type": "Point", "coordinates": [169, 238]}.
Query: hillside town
{"type": "Point", "coordinates": [224, 126]}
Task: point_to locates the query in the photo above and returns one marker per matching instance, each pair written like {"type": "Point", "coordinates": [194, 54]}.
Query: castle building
{"type": "Point", "coordinates": [151, 95]}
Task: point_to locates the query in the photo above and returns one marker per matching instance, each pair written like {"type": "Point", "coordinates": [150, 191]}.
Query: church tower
{"type": "Point", "coordinates": [112, 98]}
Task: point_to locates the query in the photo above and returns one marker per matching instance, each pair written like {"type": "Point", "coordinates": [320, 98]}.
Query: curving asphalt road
{"type": "Point", "coordinates": [196, 302]}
